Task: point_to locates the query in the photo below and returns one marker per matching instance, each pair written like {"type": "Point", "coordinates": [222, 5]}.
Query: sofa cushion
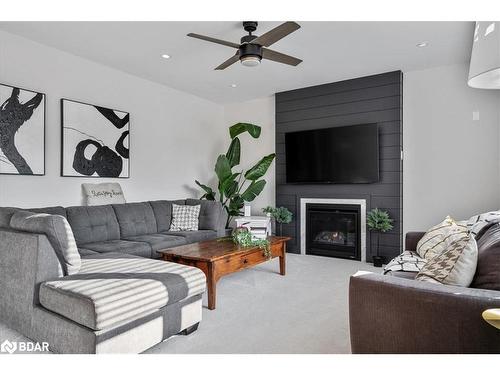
{"type": "Point", "coordinates": [194, 236]}
{"type": "Point", "coordinates": [163, 213]}
{"type": "Point", "coordinates": [7, 212]}
{"type": "Point", "coordinates": [159, 241]}
{"type": "Point", "coordinates": [141, 249]}
{"type": "Point", "coordinates": [211, 213]}
{"type": "Point", "coordinates": [58, 232]}
{"type": "Point", "coordinates": [113, 289]}
{"type": "Point", "coordinates": [488, 263]}
{"type": "Point", "coordinates": [93, 224]}
{"type": "Point", "coordinates": [86, 252]}
{"type": "Point", "coordinates": [135, 219]}
{"type": "Point", "coordinates": [55, 210]}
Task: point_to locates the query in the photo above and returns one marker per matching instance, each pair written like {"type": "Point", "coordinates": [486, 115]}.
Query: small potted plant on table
{"type": "Point", "coordinates": [378, 221]}
{"type": "Point", "coordinates": [281, 215]}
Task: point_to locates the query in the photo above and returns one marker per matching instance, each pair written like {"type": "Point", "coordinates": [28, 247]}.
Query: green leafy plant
{"type": "Point", "coordinates": [243, 237]}
{"type": "Point", "coordinates": [380, 222]}
{"type": "Point", "coordinates": [236, 188]}
{"type": "Point", "coordinates": [282, 215]}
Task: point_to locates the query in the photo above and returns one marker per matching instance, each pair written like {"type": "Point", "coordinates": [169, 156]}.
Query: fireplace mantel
{"type": "Point", "coordinates": [360, 202]}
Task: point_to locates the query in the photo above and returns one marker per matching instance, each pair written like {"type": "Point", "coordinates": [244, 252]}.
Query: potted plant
{"type": "Point", "coordinates": [378, 221]}
{"type": "Point", "coordinates": [281, 215]}
{"type": "Point", "coordinates": [234, 188]}
{"type": "Point", "coordinates": [243, 237]}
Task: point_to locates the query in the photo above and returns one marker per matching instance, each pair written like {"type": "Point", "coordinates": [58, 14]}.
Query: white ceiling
{"type": "Point", "coordinates": [331, 51]}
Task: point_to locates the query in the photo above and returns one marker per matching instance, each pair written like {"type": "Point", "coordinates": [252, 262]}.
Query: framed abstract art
{"type": "Point", "coordinates": [22, 131]}
{"type": "Point", "coordinates": [95, 141]}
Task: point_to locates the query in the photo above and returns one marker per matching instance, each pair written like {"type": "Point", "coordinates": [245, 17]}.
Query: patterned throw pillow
{"type": "Point", "coordinates": [456, 265]}
{"type": "Point", "coordinates": [436, 239]}
{"type": "Point", "coordinates": [185, 218]}
{"type": "Point", "coordinates": [408, 261]}
{"type": "Point", "coordinates": [478, 224]}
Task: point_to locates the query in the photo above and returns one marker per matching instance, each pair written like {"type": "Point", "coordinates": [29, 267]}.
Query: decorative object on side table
{"type": "Point", "coordinates": [231, 186]}
{"type": "Point", "coordinates": [22, 131]}
{"type": "Point", "coordinates": [92, 130]}
{"type": "Point", "coordinates": [259, 226]}
{"type": "Point", "coordinates": [281, 215]}
{"type": "Point", "coordinates": [378, 221]}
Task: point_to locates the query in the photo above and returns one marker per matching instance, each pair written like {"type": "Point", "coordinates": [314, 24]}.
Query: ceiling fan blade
{"type": "Point", "coordinates": [228, 62]}
{"type": "Point", "coordinates": [214, 40]}
{"type": "Point", "coordinates": [269, 54]}
{"type": "Point", "coordinates": [276, 34]}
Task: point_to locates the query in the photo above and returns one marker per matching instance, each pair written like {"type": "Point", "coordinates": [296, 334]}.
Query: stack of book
{"type": "Point", "coordinates": [259, 226]}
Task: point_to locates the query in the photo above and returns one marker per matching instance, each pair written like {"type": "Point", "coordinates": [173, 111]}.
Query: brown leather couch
{"type": "Point", "coordinates": [397, 314]}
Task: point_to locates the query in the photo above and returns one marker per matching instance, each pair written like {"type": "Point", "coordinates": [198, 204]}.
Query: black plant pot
{"type": "Point", "coordinates": [378, 260]}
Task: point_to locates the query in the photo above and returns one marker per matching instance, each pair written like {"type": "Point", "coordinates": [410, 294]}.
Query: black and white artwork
{"type": "Point", "coordinates": [22, 131]}
{"type": "Point", "coordinates": [95, 141]}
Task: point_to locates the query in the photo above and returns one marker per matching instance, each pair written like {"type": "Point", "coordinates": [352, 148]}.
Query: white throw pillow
{"type": "Point", "coordinates": [456, 265]}
{"type": "Point", "coordinates": [105, 193]}
{"type": "Point", "coordinates": [436, 239]}
{"type": "Point", "coordinates": [185, 217]}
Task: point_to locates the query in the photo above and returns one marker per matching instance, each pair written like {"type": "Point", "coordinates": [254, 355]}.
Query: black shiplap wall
{"type": "Point", "coordinates": [373, 99]}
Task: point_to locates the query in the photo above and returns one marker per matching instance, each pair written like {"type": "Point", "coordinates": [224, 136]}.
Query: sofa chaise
{"type": "Point", "coordinates": [121, 300]}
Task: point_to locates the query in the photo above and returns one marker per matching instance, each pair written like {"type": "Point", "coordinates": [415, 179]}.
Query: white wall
{"type": "Point", "coordinates": [451, 163]}
{"type": "Point", "coordinates": [259, 112]}
{"type": "Point", "coordinates": [175, 137]}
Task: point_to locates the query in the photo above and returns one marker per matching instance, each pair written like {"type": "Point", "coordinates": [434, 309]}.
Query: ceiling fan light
{"type": "Point", "coordinates": [250, 61]}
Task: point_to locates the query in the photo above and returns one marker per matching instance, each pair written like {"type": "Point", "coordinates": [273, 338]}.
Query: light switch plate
{"type": "Point", "coordinates": [475, 116]}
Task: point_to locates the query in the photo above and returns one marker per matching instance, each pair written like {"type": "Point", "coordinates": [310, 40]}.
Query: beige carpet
{"type": "Point", "coordinates": [259, 311]}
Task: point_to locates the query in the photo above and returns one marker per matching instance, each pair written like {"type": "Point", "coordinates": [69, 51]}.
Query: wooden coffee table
{"type": "Point", "coordinates": [217, 258]}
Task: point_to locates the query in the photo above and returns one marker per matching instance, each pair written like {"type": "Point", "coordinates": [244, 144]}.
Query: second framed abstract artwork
{"type": "Point", "coordinates": [95, 141]}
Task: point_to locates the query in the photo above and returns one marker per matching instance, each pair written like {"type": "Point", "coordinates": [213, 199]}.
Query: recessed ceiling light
{"type": "Point", "coordinates": [422, 44]}
{"type": "Point", "coordinates": [165, 56]}
{"type": "Point", "coordinates": [233, 85]}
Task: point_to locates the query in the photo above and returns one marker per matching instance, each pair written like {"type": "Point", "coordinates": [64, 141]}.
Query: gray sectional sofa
{"type": "Point", "coordinates": [121, 300]}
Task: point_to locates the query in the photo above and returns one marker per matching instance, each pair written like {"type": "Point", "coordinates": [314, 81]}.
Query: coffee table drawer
{"type": "Point", "coordinates": [258, 257]}
{"type": "Point", "coordinates": [252, 259]}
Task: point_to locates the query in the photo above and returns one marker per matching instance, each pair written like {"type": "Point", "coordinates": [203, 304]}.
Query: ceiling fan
{"type": "Point", "coordinates": [252, 48]}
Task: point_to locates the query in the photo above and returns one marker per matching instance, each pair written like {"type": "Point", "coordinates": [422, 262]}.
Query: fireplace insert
{"type": "Point", "coordinates": [333, 230]}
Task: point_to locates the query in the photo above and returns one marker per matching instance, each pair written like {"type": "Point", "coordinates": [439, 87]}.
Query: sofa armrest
{"type": "Point", "coordinates": [394, 315]}
{"type": "Point", "coordinates": [411, 240]}
{"type": "Point", "coordinates": [26, 260]}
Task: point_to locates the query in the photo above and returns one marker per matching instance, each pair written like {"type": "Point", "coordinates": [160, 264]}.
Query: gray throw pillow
{"type": "Point", "coordinates": [58, 232]}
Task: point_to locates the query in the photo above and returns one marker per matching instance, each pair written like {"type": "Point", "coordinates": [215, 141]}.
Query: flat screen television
{"type": "Point", "coordinates": [340, 155]}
